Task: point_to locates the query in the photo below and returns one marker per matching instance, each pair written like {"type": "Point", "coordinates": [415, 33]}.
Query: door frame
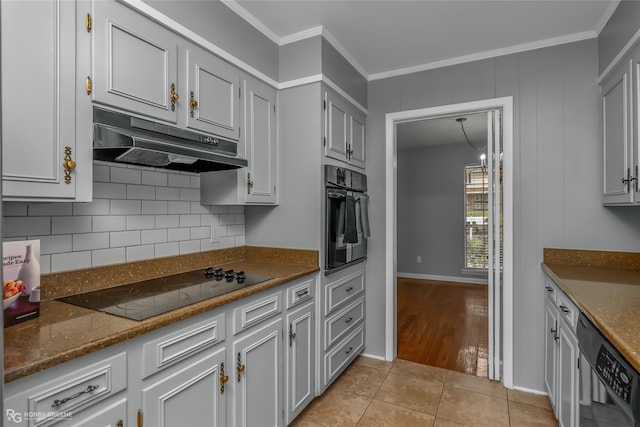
{"type": "Point", "coordinates": [506, 316]}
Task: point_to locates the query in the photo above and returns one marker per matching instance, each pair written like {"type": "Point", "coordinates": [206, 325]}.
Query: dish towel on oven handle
{"type": "Point", "coordinates": [363, 203]}
{"type": "Point", "coordinates": [350, 221]}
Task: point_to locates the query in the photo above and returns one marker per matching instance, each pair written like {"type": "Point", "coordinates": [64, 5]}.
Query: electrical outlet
{"type": "Point", "coordinates": [419, 259]}
{"type": "Point", "coordinates": [214, 234]}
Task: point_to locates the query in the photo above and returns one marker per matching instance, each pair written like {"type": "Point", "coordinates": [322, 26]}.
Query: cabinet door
{"type": "Point", "coordinates": [550, 350]}
{"type": "Point", "coordinates": [616, 137]}
{"type": "Point", "coordinates": [567, 378]}
{"type": "Point", "coordinates": [135, 63]}
{"type": "Point", "coordinates": [257, 398]}
{"type": "Point", "coordinates": [635, 99]}
{"type": "Point", "coordinates": [38, 99]}
{"type": "Point", "coordinates": [260, 141]}
{"type": "Point", "coordinates": [300, 360]}
{"type": "Point", "coordinates": [212, 95]}
{"type": "Point", "coordinates": [112, 415]}
{"type": "Point", "coordinates": [191, 396]}
{"type": "Point", "coordinates": [357, 140]}
{"type": "Point", "coordinates": [336, 125]}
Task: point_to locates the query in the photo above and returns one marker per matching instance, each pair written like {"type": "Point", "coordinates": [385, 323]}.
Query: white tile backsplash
{"type": "Point", "coordinates": [137, 213]}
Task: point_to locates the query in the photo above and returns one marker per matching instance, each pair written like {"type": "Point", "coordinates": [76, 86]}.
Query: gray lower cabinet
{"type": "Point", "coordinates": [257, 380]}
{"type": "Point", "coordinates": [561, 367]}
{"type": "Point", "coordinates": [230, 366]}
{"type": "Point", "coordinates": [300, 357]}
{"type": "Point", "coordinates": [342, 322]}
{"type": "Point", "coordinates": [192, 395]}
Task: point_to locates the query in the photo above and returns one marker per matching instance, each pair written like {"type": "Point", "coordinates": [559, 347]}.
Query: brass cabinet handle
{"type": "Point", "coordinates": [68, 164]}
{"type": "Point", "coordinates": [140, 419]}
{"type": "Point", "coordinates": [240, 367]}
{"type": "Point", "coordinates": [119, 423]}
{"type": "Point", "coordinates": [173, 97]}
{"type": "Point", "coordinates": [223, 378]}
{"type": "Point", "coordinates": [249, 183]}
{"type": "Point", "coordinates": [88, 85]}
{"type": "Point", "coordinates": [193, 104]}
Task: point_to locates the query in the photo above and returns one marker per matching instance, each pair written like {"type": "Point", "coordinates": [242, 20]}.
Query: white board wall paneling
{"type": "Point", "coordinates": [538, 80]}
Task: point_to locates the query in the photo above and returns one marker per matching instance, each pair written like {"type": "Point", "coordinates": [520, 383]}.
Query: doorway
{"type": "Point", "coordinates": [500, 273]}
{"type": "Point", "coordinates": [443, 248]}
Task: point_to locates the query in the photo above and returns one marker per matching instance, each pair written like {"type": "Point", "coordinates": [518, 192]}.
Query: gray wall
{"type": "Point", "coordinates": [220, 25]}
{"type": "Point", "coordinates": [430, 208]}
{"type": "Point", "coordinates": [301, 59]}
{"type": "Point", "coordinates": [557, 173]}
{"type": "Point", "coordinates": [342, 73]}
{"type": "Point", "coordinates": [622, 25]}
{"type": "Point", "coordinates": [296, 221]}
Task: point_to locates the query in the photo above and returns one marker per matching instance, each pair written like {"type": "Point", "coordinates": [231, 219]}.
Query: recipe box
{"type": "Point", "coordinates": [20, 281]}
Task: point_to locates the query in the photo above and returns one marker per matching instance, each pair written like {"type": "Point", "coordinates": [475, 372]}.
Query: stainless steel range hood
{"type": "Point", "coordinates": [122, 138]}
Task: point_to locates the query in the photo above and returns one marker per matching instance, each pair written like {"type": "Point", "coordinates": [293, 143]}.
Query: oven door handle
{"type": "Point", "coordinates": [333, 194]}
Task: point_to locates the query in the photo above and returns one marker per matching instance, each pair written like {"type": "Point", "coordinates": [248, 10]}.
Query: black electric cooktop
{"type": "Point", "coordinates": [141, 300]}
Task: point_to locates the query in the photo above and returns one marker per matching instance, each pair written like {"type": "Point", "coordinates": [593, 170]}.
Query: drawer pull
{"type": "Point", "coordinates": [302, 293]}
{"type": "Point", "coordinates": [349, 320]}
{"type": "Point", "coordinates": [348, 351]}
{"type": "Point", "coordinates": [239, 368]}
{"type": "Point", "coordinates": [549, 288]}
{"type": "Point", "coordinates": [349, 289]}
{"type": "Point", "coordinates": [564, 309]}
{"type": "Point", "coordinates": [223, 378]}
{"type": "Point", "coordinates": [59, 402]}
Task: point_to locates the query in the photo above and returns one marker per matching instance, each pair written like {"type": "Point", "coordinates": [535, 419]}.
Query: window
{"type": "Point", "coordinates": [476, 243]}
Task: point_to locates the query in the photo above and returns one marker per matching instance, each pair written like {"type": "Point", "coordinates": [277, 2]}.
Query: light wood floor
{"type": "Point", "coordinates": [443, 324]}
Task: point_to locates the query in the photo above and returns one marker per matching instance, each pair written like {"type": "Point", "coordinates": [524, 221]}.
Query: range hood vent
{"type": "Point", "coordinates": [122, 138]}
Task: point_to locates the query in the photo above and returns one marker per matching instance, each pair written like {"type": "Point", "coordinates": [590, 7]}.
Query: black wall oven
{"type": "Point", "coordinates": [346, 218]}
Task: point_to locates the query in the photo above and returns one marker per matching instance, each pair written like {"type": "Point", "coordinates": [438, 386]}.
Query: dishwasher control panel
{"type": "Point", "coordinates": [614, 373]}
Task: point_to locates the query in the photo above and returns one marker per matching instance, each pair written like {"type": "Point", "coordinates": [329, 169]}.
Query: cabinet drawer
{"type": "Point", "coordinates": [568, 310]}
{"type": "Point", "coordinates": [255, 312]}
{"type": "Point", "coordinates": [342, 323]}
{"type": "Point", "coordinates": [550, 289]}
{"type": "Point", "coordinates": [181, 344]}
{"type": "Point", "coordinates": [343, 291]}
{"type": "Point", "coordinates": [337, 360]}
{"type": "Point", "coordinates": [107, 415]}
{"type": "Point", "coordinates": [300, 293]}
{"type": "Point", "coordinates": [68, 394]}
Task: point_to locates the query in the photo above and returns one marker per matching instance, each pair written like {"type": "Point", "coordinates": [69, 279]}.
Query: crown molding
{"type": "Point", "coordinates": [485, 55]}
{"type": "Point", "coordinates": [302, 35]}
{"type": "Point", "coordinates": [345, 53]}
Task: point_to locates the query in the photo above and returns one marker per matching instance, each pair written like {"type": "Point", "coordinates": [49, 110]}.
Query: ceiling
{"type": "Point", "coordinates": [382, 38]}
{"type": "Point", "coordinates": [442, 131]}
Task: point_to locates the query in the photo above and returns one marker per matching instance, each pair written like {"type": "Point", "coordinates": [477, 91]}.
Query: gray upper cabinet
{"type": "Point", "coordinates": [213, 94]}
{"type": "Point", "coordinates": [257, 183]}
{"type": "Point", "coordinates": [46, 133]}
{"type": "Point", "coordinates": [344, 130]}
{"type": "Point", "coordinates": [135, 63]}
{"type": "Point", "coordinates": [261, 141]}
{"type": "Point", "coordinates": [620, 102]}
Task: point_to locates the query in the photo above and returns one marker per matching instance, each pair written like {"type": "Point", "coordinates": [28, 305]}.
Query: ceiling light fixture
{"type": "Point", "coordinates": [461, 120]}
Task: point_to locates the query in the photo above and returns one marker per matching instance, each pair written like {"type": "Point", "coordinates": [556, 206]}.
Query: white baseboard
{"type": "Point", "coordinates": [531, 391]}
{"type": "Point", "coordinates": [373, 356]}
{"type": "Point", "coordinates": [443, 278]}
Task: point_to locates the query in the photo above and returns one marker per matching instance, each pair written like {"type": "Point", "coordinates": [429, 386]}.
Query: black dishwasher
{"type": "Point", "coordinates": [608, 383]}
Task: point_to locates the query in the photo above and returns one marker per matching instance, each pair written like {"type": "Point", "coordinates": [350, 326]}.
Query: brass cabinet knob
{"type": "Point", "coordinates": [68, 165]}
{"type": "Point", "coordinates": [223, 378]}
{"type": "Point", "coordinates": [173, 97]}
{"type": "Point", "coordinates": [240, 368]}
{"type": "Point", "coordinates": [193, 104]}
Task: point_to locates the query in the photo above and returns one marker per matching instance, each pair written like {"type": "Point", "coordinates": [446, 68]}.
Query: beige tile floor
{"type": "Point", "coordinates": [402, 393]}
